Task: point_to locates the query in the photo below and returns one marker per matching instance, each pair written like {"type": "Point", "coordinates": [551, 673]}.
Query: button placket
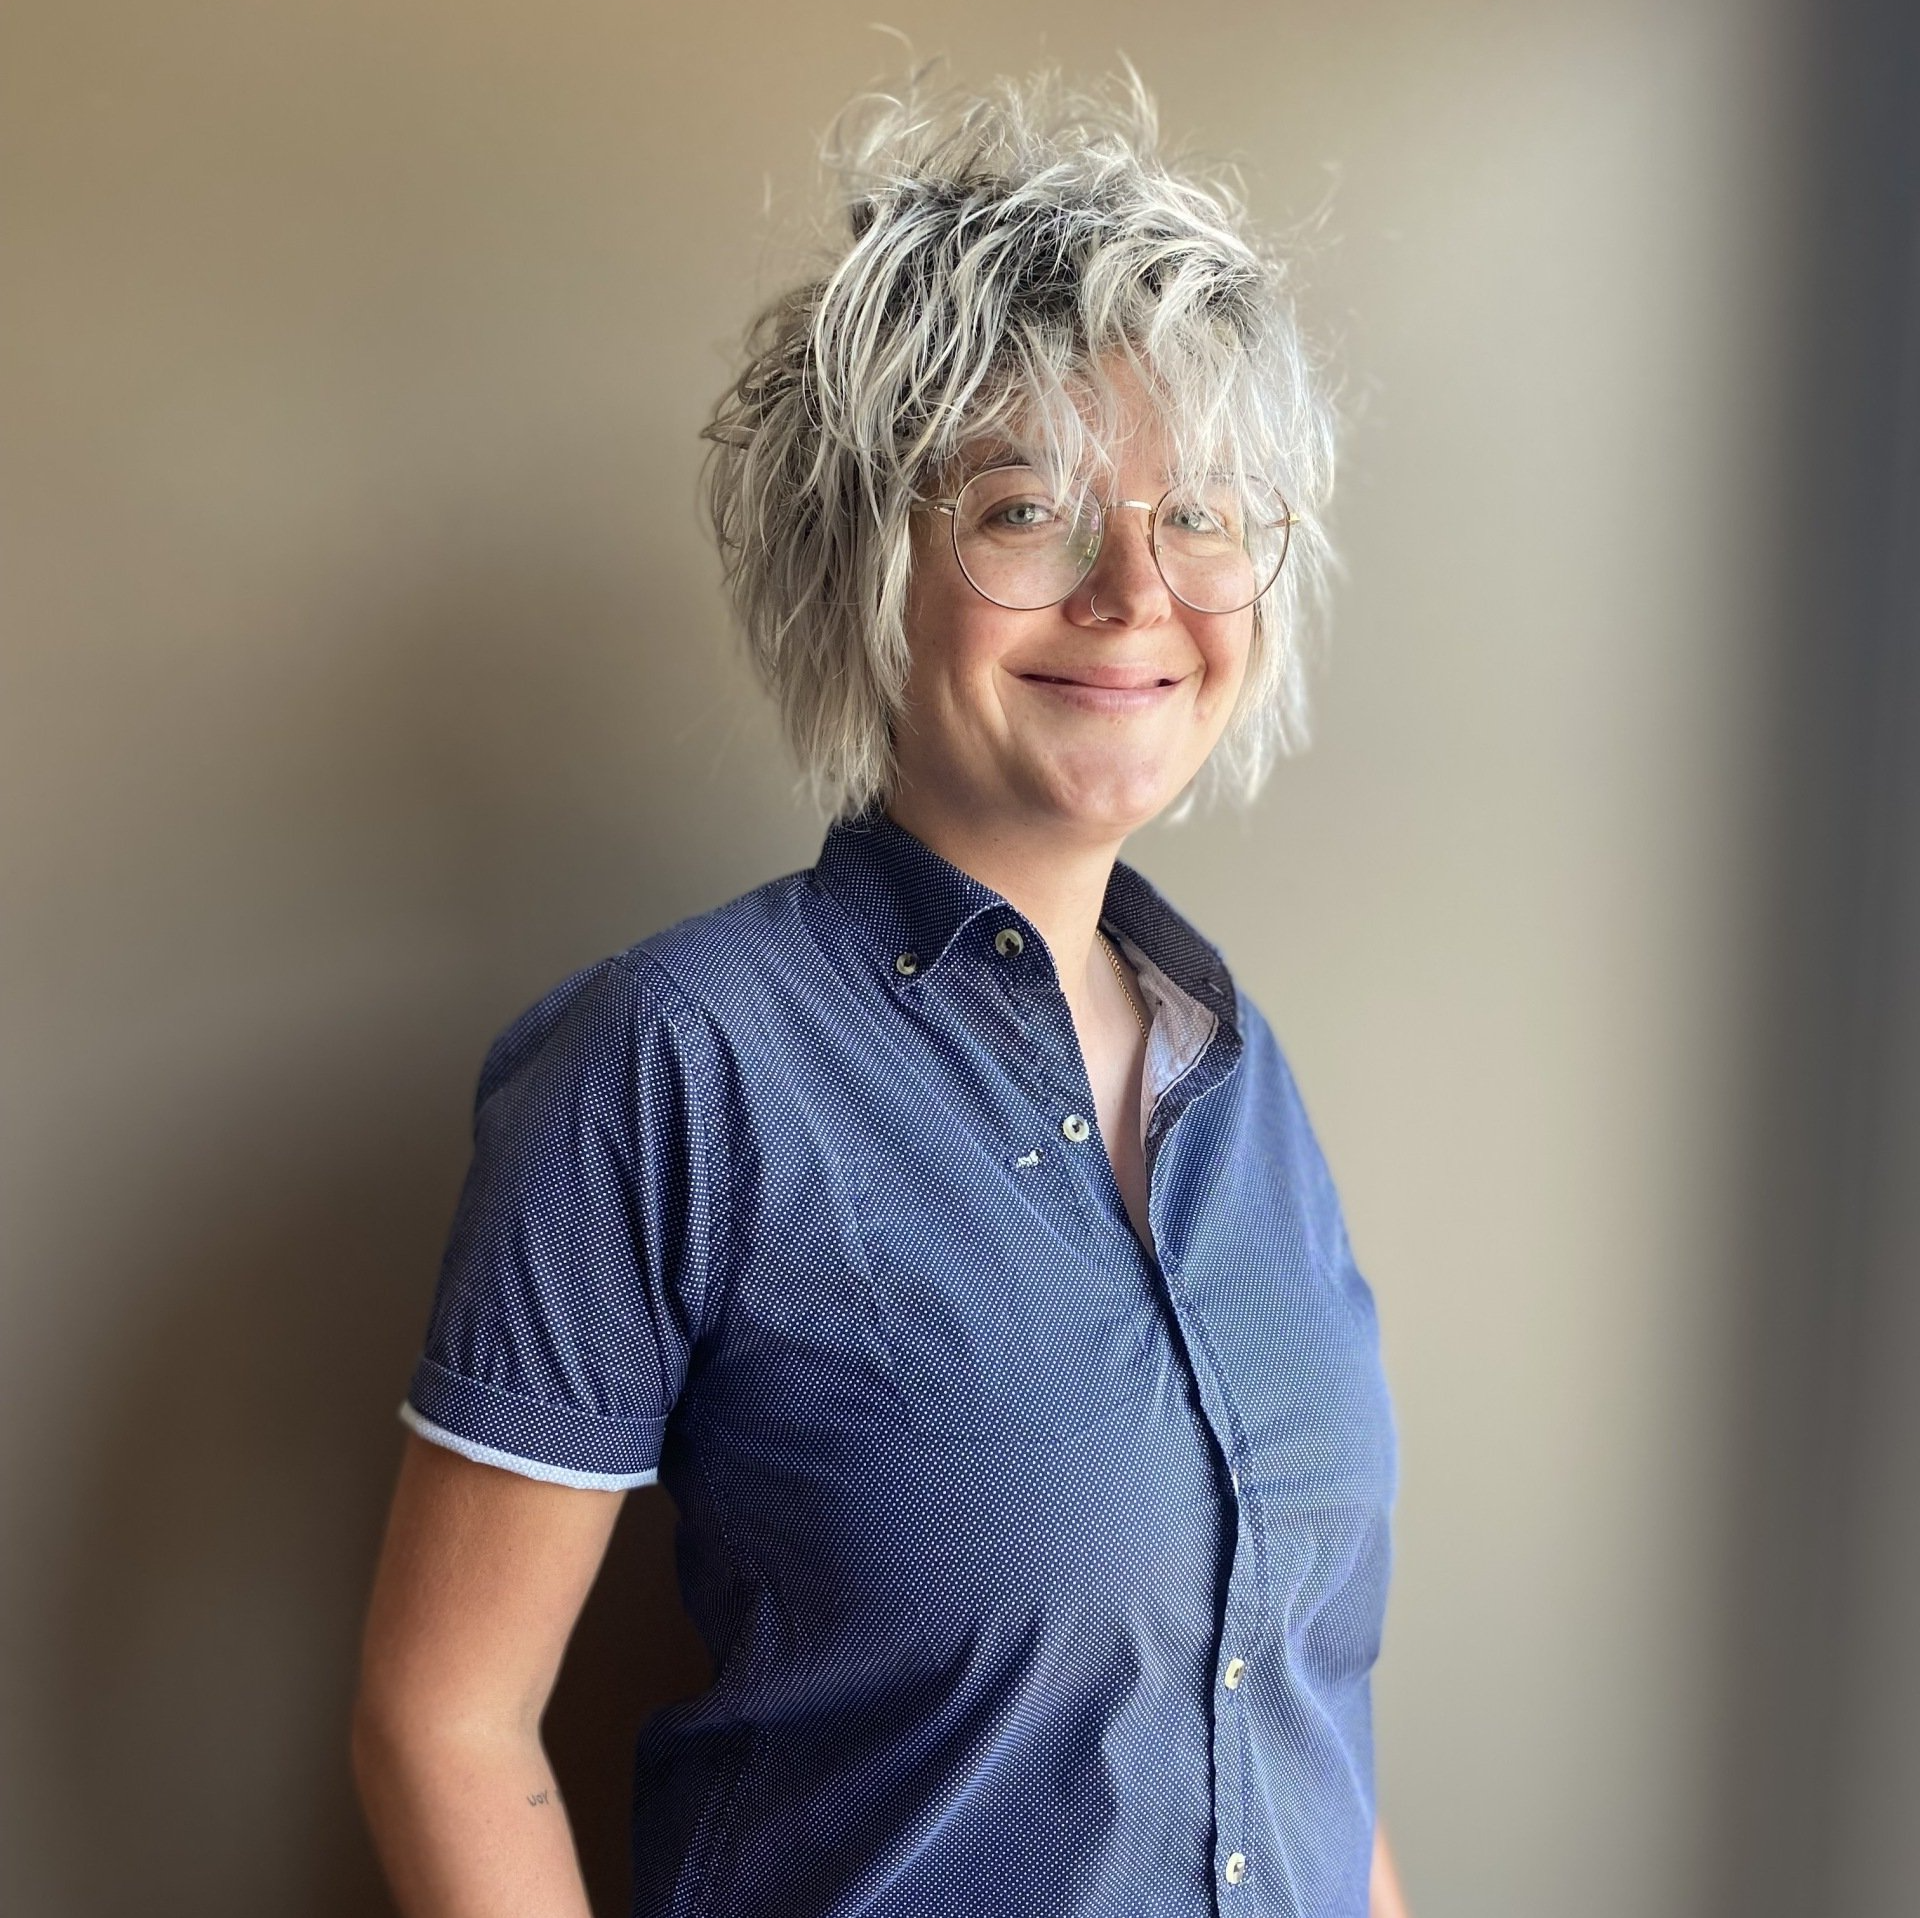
{"type": "Point", "coordinates": [1010, 942]}
{"type": "Point", "coordinates": [1242, 1608]}
{"type": "Point", "coordinates": [1232, 1756]}
{"type": "Point", "coordinates": [1018, 988]}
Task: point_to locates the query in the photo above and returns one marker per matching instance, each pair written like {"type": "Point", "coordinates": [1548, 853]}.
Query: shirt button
{"type": "Point", "coordinates": [907, 965]}
{"type": "Point", "coordinates": [1007, 941]}
{"type": "Point", "coordinates": [1075, 1127]}
{"type": "Point", "coordinates": [1236, 1868]}
{"type": "Point", "coordinates": [1236, 1670]}
{"type": "Point", "coordinates": [1235, 1476]}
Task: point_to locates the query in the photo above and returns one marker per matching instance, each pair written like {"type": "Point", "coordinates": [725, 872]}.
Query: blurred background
{"type": "Point", "coordinates": [365, 672]}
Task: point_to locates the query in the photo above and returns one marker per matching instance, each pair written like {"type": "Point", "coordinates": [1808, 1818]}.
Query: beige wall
{"type": "Point", "coordinates": [365, 672]}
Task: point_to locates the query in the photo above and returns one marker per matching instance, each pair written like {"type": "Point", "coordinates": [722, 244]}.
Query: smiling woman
{"type": "Point", "coordinates": [941, 1225]}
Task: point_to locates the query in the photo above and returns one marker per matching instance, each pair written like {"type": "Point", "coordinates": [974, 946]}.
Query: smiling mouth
{"type": "Point", "coordinates": [1142, 685]}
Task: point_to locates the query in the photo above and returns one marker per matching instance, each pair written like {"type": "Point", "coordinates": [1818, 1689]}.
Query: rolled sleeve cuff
{"type": "Point", "coordinates": [557, 1443]}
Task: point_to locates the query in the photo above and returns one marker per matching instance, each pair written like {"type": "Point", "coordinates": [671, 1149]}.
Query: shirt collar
{"type": "Point", "coordinates": [914, 903]}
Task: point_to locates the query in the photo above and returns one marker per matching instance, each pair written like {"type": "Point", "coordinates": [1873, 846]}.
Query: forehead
{"type": "Point", "coordinates": [1101, 415]}
{"type": "Point", "coordinates": [1143, 445]}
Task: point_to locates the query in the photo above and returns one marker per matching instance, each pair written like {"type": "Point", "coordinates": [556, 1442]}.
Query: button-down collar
{"type": "Point", "coordinates": [915, 902]}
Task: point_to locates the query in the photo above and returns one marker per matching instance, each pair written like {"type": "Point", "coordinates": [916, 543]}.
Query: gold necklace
{"type": "Point", "coordinates": [1120, 973]}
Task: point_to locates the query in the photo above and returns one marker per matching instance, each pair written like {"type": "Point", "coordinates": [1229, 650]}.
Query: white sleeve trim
{"type": "Point", "coordinates": [526, 1467]}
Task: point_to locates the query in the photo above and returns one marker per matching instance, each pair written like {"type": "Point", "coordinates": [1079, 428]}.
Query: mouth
{"type": "Point", "coordinates": [1112, 690]}
{"type": "Point", "coordinates": [1108, 679]}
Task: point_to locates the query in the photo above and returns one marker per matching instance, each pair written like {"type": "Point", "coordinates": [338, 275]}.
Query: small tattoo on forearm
{"type": "Point", "coordinates": [536, 1798]}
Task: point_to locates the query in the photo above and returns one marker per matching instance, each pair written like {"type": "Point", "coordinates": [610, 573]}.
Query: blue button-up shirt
{"type": "Point", "coordinates": [1042, 1570]}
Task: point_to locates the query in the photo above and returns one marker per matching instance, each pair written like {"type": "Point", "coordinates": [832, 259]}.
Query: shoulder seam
{"type": "Point", "coordinates": [692, 1019]}
{"type": "Point", "coordinates": [637, 963]}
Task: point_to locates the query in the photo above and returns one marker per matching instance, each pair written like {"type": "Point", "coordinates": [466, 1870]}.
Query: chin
{"type": "Point", "coordinates": [1119, 806]}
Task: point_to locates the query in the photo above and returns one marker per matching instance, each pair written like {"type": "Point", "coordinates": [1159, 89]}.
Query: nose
{"type": "Point", "coordinates": [1125, 581]}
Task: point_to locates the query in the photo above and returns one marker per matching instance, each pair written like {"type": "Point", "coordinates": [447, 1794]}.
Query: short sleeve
{"type": "Point", "coordinates": [572, 1286]}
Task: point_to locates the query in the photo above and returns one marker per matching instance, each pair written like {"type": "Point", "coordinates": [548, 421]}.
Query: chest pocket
{"type": "Point", "coordinates": [1002, 1306]}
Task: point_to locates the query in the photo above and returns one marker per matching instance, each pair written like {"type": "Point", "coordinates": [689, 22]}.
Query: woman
{"type": "Point", "coordinates": [939, 1224]}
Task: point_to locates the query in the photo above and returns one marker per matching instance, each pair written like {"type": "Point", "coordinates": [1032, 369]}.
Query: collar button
{"type": "Point", "coordinates": [1007, 942]}
{"type": "Point", "coordinates": [907, 965]}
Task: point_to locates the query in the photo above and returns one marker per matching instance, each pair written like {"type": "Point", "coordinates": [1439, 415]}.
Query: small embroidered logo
{"type": "Point", "coordinates": [1028, 1158]}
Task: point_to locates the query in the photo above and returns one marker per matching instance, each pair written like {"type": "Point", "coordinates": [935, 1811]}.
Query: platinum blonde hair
{"type": "Point", "coordinates": [999, 255]}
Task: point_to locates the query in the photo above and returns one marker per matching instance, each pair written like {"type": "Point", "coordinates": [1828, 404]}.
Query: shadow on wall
{"type": "Point", "coordinates": [229, 1500]}
{"type": "Point", "coordinates": [231, 1494]}
{"type": "Point", "coordinates": [275, 1225]}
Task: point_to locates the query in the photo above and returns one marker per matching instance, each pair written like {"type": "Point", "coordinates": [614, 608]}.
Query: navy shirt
{"type": "Point", "coordinates": [1042, 1573]}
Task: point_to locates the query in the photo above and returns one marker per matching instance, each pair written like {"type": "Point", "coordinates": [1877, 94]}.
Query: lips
{"type": "Point", "coordinates": [1118, 679]}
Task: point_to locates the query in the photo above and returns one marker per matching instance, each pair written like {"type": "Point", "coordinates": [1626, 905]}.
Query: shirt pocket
{"type": "Point", "coordinates": [1001, 1309]}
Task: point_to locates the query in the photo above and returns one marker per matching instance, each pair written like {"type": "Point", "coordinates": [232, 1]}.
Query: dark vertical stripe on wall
{"type": "Point", "coordinates": [1819, 1782]}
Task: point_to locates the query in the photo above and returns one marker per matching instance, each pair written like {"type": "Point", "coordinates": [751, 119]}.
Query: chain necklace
{"type": "Point", "coordinates": [1120, 973]}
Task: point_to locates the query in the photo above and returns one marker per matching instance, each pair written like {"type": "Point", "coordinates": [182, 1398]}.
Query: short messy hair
{"type": "Point", "coordinates": [996, 255]}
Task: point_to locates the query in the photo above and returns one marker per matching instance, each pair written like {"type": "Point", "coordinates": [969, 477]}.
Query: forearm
{"type": "Point", "coordinates": [468, 1826]}
{"type": "Point", "coordinates": [1387, 1900]}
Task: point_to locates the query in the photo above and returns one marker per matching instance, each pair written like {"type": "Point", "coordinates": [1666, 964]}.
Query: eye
{"type": "Point", "coordinates": [1021, 514]}
{"type": "Point", "coordinates": [1213, 510]}
{"type": "Point", "coordinates": [1212, 518]}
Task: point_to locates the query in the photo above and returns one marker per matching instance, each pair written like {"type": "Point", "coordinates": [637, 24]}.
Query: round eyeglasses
{"type": "Point", "coordinates": [1219, 545]}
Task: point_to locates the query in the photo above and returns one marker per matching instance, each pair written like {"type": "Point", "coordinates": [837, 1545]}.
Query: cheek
{"type": "Point", "coordinates": [952, 641]}
{"type": "Point", "coordinates": [928, 623]}
{"type": "Point", "coordinates": [1226, 646]}
{"type": "Point", "coordinates": [936, 649]}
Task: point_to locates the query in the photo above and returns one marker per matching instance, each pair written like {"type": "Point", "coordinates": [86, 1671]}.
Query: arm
{"type": "Point", "coordinates": [1387, 1899]}
{"type": "Point", "coordinates": [480, 1580]}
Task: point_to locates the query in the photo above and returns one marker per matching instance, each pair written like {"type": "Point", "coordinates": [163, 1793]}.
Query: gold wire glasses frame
{"type": "Point", "coordinates": [1079, 548]}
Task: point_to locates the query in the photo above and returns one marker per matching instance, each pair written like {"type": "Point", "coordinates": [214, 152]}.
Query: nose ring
{"type": "Point", "coordinates": [1093, 606]}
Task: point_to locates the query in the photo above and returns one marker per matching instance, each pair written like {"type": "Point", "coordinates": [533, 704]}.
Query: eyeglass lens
{"type": "Point", "coordinates": [1219, 545]}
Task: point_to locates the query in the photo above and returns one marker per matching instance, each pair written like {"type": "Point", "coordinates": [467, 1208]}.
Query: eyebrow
{"type": "Point", "coordinates": [997, 452]}
{"type": "Point", "coordinates": [1002, 453]}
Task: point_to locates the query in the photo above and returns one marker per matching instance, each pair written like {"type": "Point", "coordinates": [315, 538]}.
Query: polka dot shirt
{"type": "Point", "coordinates": [1042, 1573]}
